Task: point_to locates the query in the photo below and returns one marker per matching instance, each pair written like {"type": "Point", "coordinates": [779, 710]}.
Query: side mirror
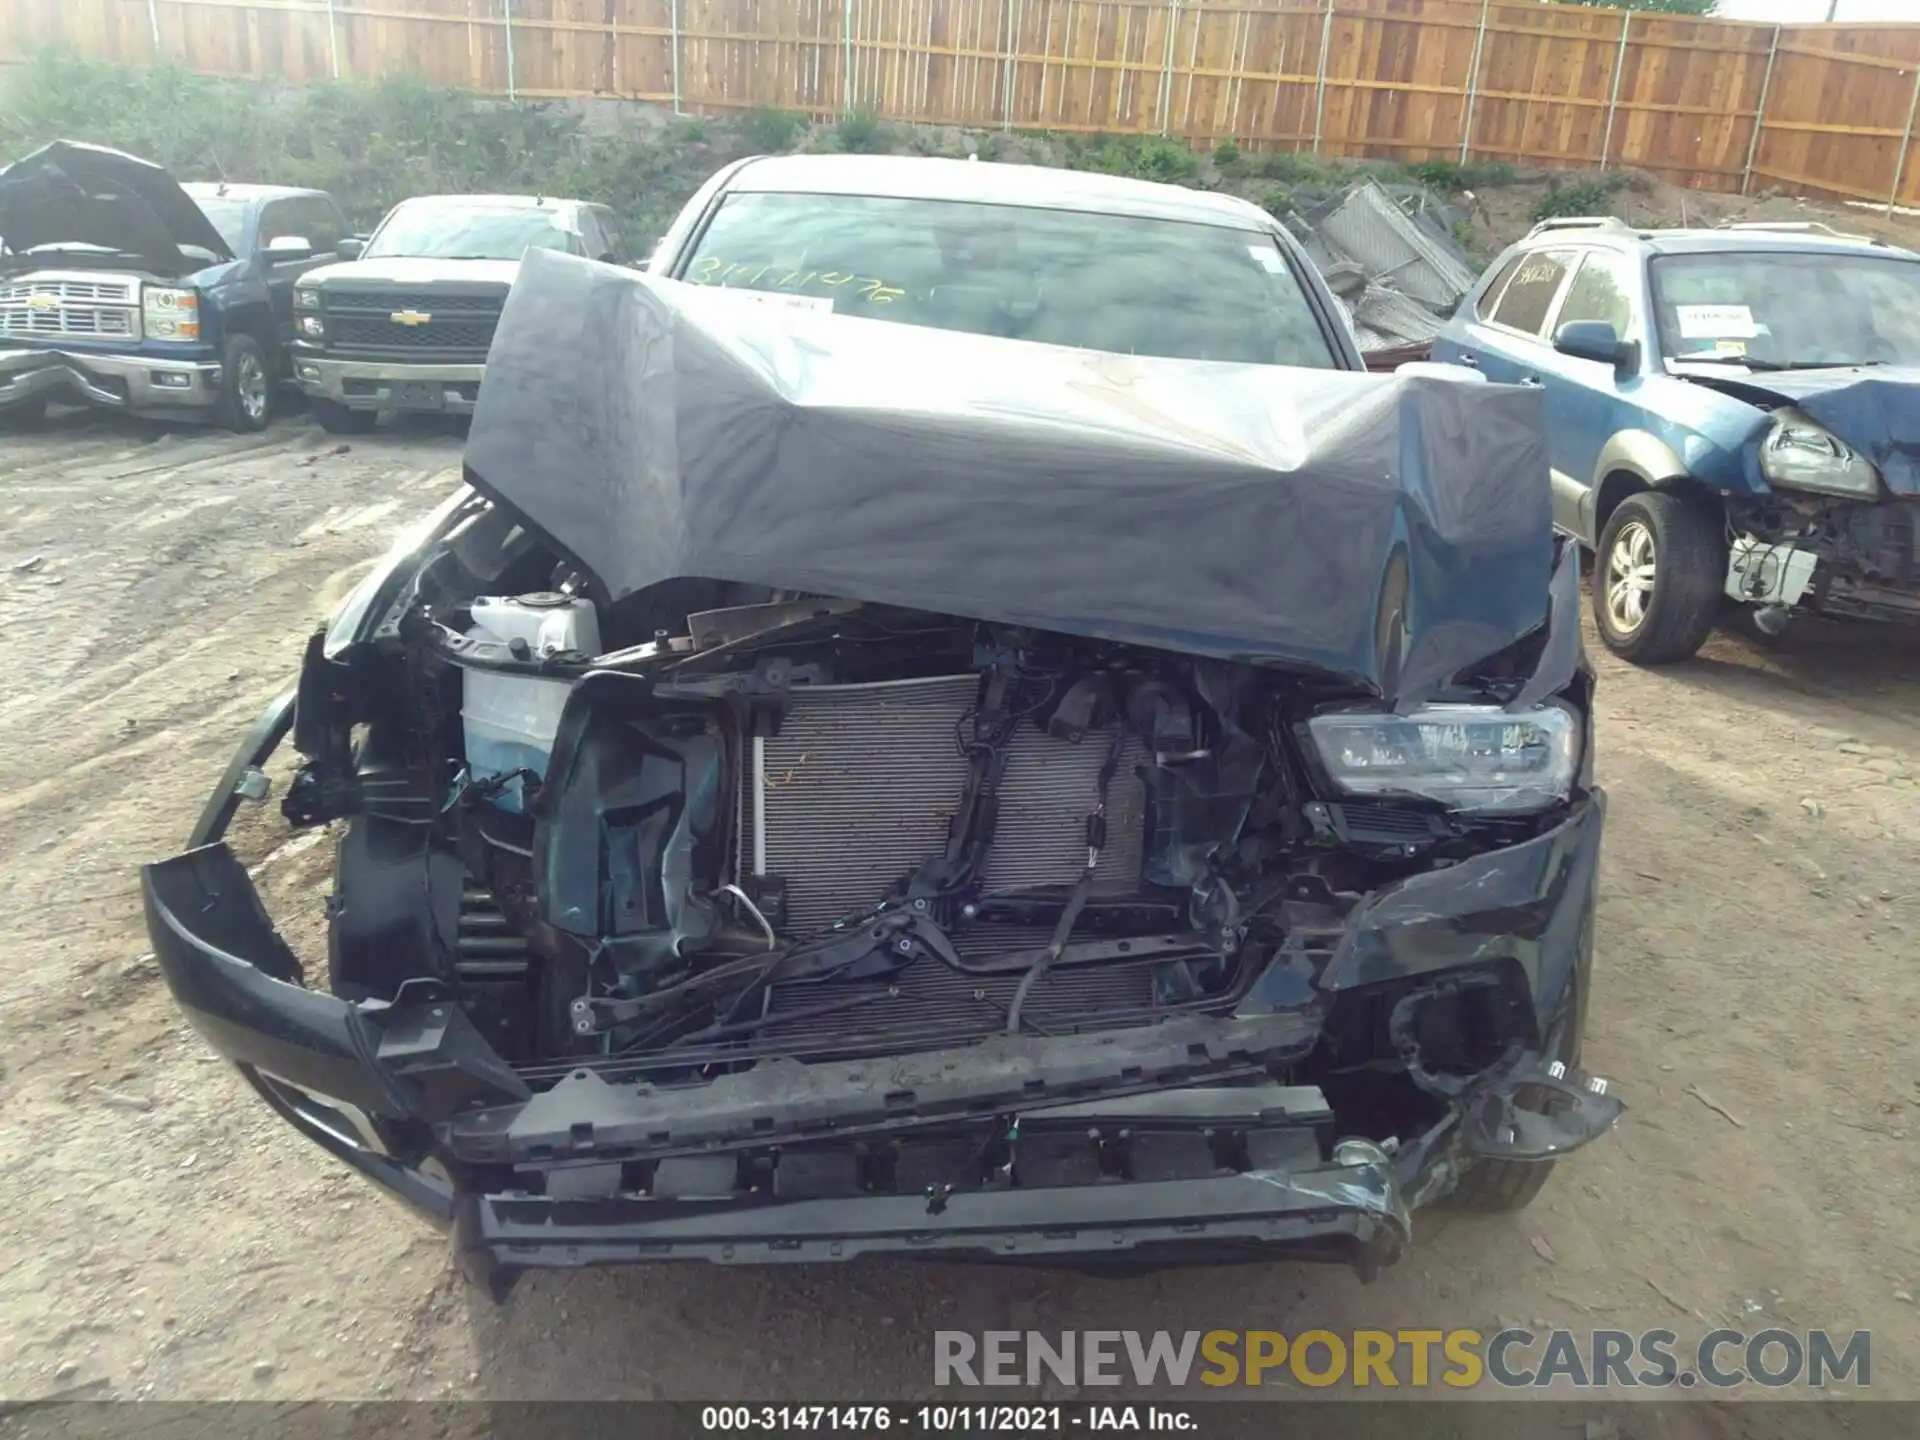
{"type": "Point", "coordinates": [350, 248]}
{"type": "Point", "coordinates": [1595, 340]}
{"type": "Point", "coordinates": [283, 249]}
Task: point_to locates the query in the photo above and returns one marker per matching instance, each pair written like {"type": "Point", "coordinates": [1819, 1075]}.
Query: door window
{"type": "Point", "coordinates": [1601, 291]}
{"type": "Point", "coordinates": [611, 241]}
{"type": "Point", "coordinates": [1484, 309]}
{"type": "Point", "coordinates": [1529, 295]}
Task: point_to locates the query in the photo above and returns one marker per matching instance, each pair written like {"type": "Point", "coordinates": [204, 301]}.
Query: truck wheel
{"type": "Point", "coordinates": [27, 415]}
{"type": "Point", "coordinates": [338, 419]}
{"type": "Point", "coordinates": [1658, 575]}
{"type": "Point", "coordinates": [246, 386]}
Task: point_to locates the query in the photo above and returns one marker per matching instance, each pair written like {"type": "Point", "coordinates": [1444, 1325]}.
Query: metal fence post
{"type": "Point", "coordinates": [846, 58]}
{"type": "Point", "coordinates": [1760, 114]}
{"type": "Point", "coordinates": [673, 42]}
{"type": "Point", "coordinates": [333, 42]}
{"type": "Point", "coordinates": [1613, 100]}
{"type": "Point", "coordinates": [1906, 143]}
{"type": "Point", "coordinates": [1320, 83]}
{"type": "Point", "coordinates": [1473, 82]}
{"type": "Point", "coordinates": [1166, 70]}
{"type": "Point", "coordinates": [1009, 66]}
{"type": "Point", "coordinates": [506, 14]}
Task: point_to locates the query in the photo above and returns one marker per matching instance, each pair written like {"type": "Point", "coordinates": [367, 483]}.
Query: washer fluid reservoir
{"type": "Point", "coordinates": [510, 720]}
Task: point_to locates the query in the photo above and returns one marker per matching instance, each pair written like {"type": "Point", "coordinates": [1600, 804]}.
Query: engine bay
{"type": "Point", "coordinates": [713, 825]}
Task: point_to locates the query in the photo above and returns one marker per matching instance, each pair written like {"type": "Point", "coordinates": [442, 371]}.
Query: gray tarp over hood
{"type": "Point", "coordinates": [1388, 528]}
{"type": "Point", "coordinates": [69, 193]}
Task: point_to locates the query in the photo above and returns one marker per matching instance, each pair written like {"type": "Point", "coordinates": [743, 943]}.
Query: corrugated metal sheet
{"type": "Point", "coordinates": [1371, 228]}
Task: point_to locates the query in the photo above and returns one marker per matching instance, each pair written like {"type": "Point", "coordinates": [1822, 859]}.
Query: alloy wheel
{"type": "Point", "coordinates": [252, 386]}
{"type": "Point", "coordinates": [1631, 565]}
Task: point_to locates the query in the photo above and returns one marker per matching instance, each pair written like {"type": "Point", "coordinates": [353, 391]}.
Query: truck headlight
{"type": "Point", "coordinates": [170, 314]}
{"type": "Point", "coordinates": [1468, 757]}
{"type": "Point", "coordinates": [312, 326]}
{"type": "Point", "coordinates": [1801, 454]}
{"type": "Point", "coordinates": [306, 297]}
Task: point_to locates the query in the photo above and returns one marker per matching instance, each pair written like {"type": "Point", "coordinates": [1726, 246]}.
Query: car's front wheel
{"type": "Point", "coordinates": [1658, 576]}
{"type": "Point", "coordinates": [338, 419]}
{"type": "Point", "coordinates": [246, 386]}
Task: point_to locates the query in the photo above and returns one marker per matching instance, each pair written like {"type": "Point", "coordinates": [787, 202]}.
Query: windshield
{"type": "Point", "coordinates": [449, 232]}
{"type": "Point", "coordinates": [1094, 282]}
{"type": "Point", "coordinates": [1803, 309]}
{"type": "Point", "coordinates": [229, 217]}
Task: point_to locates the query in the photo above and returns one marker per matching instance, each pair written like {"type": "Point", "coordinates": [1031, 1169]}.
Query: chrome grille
{"type": "Point", "coordinates": [63, 307]}
{"type": "Point", "coordinates": [859, 785]}
{"type": "Point", "coordinates": [429, 301]}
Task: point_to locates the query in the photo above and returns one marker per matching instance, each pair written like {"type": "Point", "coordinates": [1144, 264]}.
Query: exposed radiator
{"type": "Point", "coordinates": [859, 785]}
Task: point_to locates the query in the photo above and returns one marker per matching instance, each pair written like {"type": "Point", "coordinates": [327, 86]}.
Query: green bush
{"type": "Point", "coordinates": [1591, 196]}
{"type": "Point", "coordinates": [370, 143]}
{"type": "Point", "coordinates": [862, 132]}
{"type": "Point", "coordinates": [770, 131]}
{"type": "Point", "coordinates": [1226, 154]}
{"type": "Point", "coordinates": [1144, 157]}
{"type": "Point", "coordinates": [1293, 169]}
{"type": "Point", "coordinates": [1449, 176]}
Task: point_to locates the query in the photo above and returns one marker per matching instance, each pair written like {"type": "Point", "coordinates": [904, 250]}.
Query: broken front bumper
{"type": "Point", "coordinates": [109, 382]}
{"type": "Point", "coordinates": [410, 1094]}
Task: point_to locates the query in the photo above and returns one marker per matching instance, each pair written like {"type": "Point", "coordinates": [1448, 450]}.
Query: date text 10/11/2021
{"type": "Point", "coordinates": [945, 1419]}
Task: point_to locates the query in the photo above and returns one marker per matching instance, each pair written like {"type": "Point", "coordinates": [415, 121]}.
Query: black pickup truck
{"type": "Point", "coordinates": [404, 324]}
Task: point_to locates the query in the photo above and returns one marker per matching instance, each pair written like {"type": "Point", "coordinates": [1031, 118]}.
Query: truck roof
{"type": "Point", "coordinates": [225, 190]}
{"type": "Point", "coordinates": [912, 177]}
{"type": "Point", "coordinates": [495, 202]}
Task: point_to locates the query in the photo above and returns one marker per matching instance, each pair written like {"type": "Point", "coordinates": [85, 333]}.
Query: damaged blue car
{"type": "Point", "coordinates": [1733, 417]}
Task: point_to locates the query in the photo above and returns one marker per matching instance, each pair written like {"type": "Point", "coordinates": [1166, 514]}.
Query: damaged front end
{"type": "Point", "coordinates": [744, 921]}
{"type": "Point", "coordinates": [772, 959]}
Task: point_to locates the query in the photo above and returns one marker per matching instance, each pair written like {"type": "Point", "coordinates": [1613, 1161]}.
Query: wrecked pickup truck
{"type": "Point", "coordinates": [1091, 808]}
{"type": "Point", "coordinates": [123, 290]}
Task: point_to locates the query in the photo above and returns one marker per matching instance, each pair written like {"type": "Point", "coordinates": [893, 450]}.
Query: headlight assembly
{"type": "Point", "coordinates": [1469, 757]}
{"type": "Point", "coordinates": [312, 326]}
{"type": "Point", "coordinates": [1800, 454]}
{"type": "Point", "coordinates": [306, 297]}
{"type": "Point", "coordinates": [170, 314]}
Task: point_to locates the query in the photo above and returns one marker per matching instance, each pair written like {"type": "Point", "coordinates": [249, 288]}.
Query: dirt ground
{"type": "Point", "coordinates": [1756, 1004]}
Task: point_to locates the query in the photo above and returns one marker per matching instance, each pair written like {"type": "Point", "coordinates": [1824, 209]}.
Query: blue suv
{"type": "Point", "coordinates": [1733, 416]}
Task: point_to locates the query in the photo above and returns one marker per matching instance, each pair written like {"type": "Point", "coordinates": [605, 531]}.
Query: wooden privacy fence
{"type": "Point", "coordinates": [1716, 104]}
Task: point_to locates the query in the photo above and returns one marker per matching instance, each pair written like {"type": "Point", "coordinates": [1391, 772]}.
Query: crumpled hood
{"type": "Point", "coordinates": [1875, 409]}
{"type": "Point", "coordinates": [1389, 529]}
{"type": "Point", "coordinates": [70, 193]}
{"type": "Point", "coordinates": [412, 272]}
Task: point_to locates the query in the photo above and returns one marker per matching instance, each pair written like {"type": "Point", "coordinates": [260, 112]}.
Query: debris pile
{"type": "Point", "coordinates": [1388, 252]}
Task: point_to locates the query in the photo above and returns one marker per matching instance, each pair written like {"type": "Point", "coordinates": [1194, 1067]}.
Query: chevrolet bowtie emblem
{"type": "Point", "coordinates": [410, 317]}
{"type": "Point", "coordinates": [43, 302]}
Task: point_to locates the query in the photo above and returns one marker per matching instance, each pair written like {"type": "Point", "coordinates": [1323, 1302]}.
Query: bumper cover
{"type": "Point", "coordinates": [110, 382]}
{"type": "Point", "coordinates": [410, 1094]}
{"type": "Point", "coordinates": [390, 384]}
